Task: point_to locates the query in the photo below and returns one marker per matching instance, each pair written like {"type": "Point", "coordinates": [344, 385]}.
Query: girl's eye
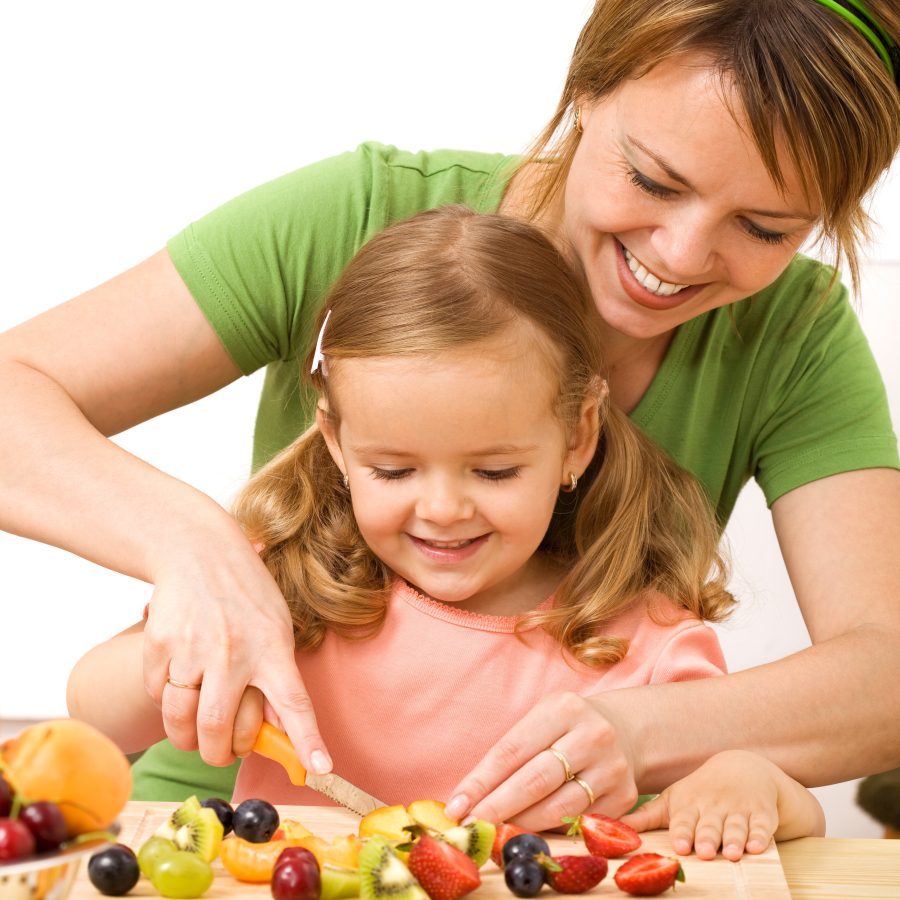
{"type": "Point", "coordinates": [760, 234]}
{"type": "Point", "coordinates": [498, 474]}
{"type": "Point", "coordinates": [390, 474]}
{"type": "Point", "coordinates": [648, 186]}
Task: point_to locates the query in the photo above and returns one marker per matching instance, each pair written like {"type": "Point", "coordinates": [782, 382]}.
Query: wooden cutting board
{"type": "Point", "coordinates": [754, 878]}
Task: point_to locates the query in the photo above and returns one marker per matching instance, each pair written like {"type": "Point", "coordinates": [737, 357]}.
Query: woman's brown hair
{"type": "Point", "coordinates": [801, 73]}
{"type": "Point", "coordinates": [444, 280]}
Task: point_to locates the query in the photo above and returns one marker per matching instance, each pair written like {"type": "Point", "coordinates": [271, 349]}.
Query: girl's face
{"type": "Point", "coordinates": [455, 463]}
{"type": "Point", "coordinates": [669, 207]}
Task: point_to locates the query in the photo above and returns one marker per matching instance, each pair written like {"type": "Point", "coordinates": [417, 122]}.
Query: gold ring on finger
{"type": "Point", "coordinates": [567, 769]}
{"type": "Point", "coordinates": [184, 684]}
{"type": "Point", "coordinates": [587, 789]}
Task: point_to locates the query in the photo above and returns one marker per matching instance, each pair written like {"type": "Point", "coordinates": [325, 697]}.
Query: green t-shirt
{"type": "Point", "coordinates": [781, 387]}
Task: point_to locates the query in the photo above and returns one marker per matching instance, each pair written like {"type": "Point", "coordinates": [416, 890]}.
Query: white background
{"type": "Point", "coordinates": [123, 121]}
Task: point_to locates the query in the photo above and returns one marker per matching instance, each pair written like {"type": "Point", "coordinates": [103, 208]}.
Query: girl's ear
{"type": "Point", "coordinates": [584, 437]}
{"type": "Point", "coordinates": [325, 424]}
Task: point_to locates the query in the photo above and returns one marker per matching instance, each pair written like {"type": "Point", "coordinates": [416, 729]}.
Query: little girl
{"type": "Point", "coordinates": [469, 527]}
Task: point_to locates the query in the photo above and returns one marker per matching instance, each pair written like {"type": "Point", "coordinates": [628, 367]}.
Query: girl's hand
{"type": "Point", "coordinates": [222, 623]}
{"type": "Point", "coordinates": [520, 778]}
{"type": "Point", "coordinates": [738, 801]}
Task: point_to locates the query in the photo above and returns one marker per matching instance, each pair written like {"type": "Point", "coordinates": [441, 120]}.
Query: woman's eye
{"type": "Point", "coordinates": [390, 474]}
{"type": "Point", "coordinates": [760, 234]}
{"type": "Point", "coordinates": [498, 474]}
{"type": "Point", "coordinates": [648, 186]}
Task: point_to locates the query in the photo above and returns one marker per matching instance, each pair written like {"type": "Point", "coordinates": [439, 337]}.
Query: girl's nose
{"type": "Point", "coordinates": [443, 502]}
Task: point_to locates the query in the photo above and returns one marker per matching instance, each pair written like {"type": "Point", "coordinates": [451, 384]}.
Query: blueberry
{"type": "Point", "coordinates": [224, 811]}
{"type": "Point", "coordinates": [255, 821]}
{"type": "Point", "coordinates": [524, 846]}
{"type": "Point", "coordinates": [524, 876]}
{"type": "Point", "coordinates": [114, 871]}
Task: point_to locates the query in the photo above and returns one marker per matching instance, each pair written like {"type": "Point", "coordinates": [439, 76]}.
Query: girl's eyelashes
{"type": "Point", "coordinates": [654, 189]}
{"type": "Point", "coordinates": [390, 474]}
{"type": "Point", "coordinates": [485, 474]}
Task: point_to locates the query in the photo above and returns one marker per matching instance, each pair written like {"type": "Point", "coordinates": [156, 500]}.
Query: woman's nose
{"type": "Point", "coordinates": [686, 244]}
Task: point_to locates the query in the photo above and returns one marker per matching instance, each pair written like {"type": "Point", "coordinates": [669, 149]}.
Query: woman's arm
{"type": "Point", "coordinates": [825, 714]}
{"type": "Point", "coordinates": [122, 353]}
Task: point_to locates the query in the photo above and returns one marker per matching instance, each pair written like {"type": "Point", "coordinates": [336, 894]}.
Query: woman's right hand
{"type": "Point", "coordinates": [220, 621]}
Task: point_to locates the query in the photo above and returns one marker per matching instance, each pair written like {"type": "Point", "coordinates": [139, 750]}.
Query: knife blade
{"type": "Point", "coordinates": [274, 744]}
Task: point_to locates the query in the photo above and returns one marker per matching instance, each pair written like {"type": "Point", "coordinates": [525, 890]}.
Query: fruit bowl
{"type": "Point", "coordinates": [47, 876]}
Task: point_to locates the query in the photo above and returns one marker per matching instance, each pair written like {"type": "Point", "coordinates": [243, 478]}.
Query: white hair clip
{"type": "Point", "coordinates": [319, 356]}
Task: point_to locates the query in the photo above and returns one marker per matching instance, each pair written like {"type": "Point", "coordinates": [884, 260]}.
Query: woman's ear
{"type": "Point", "coordinates": [586, 433]}
{"type": "Point", "coordinates": [325, 424]}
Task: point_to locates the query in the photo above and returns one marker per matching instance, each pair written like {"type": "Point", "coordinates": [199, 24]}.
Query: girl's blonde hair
{"type": "Point", "coordinates": [801, 73]}
{"type": "Point", "coordinates": [445, 279]}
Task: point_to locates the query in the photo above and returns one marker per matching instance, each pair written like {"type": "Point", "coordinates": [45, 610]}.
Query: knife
{"type": "Point", "coordinates": [274, 744]}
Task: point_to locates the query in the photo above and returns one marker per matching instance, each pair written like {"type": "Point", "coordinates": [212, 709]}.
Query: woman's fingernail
{"type": "Point", "coordinates": [456, 807]}
{"type": "Point", "coordinates": [320, 763]}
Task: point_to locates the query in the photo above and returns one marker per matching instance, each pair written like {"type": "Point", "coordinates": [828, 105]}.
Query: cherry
{"type": "Point", "coordinates": [45, 821]}
{"type": "Point", "coordinates": [296, 878]}
{"type": "Point", "coordinates": [16, 840]}
{"type": "Point", "coordinates": [295, 853]}
{"type": "Point", "coordinates": [6, 797]}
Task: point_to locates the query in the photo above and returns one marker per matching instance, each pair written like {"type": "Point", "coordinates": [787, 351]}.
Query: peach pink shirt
{"type": "Point", "coordinates": [407, 713]}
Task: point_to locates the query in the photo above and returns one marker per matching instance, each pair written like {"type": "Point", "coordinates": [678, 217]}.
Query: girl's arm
{"type": "Point", "coordinates": [823, 715]}
{"type": "Point", "coordinates": [737, 801]}
{"type": "Point", "coordinates": [118, 355]}
{"type": "Point", "coordinates": [106, 689]}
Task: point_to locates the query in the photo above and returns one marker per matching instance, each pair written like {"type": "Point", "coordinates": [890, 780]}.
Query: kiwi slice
{"type": "Point", "coordinates": [382, 874]}
{"type": "Point", "coordinates": [179, 817]}
{"type": "Point", "coordinates": [201, 835]}
{"type": "Point", "coordinates": [475, 839]}
{"type": "Point", "coordinates": [339, 883]}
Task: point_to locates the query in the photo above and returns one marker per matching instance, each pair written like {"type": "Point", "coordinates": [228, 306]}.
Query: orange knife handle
{"type": "Point", "coordinates": [274, 744]}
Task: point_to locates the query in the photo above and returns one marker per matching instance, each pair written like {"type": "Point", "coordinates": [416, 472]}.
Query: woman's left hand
{"type": "Point", "coordinates": [521, 777]}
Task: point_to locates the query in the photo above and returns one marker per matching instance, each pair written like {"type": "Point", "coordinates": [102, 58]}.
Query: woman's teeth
{"type": "Point", "coordinates": [651, 282]}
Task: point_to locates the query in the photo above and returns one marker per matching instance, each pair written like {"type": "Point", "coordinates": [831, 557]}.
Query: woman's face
{"type": "Point", "coordinates": [669, 207]}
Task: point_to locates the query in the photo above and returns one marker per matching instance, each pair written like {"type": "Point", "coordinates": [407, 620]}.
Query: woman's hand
{"type": "Point", "coordinates": [221, 622]}
{"type": "Point", "coordinates": [738, 801]}
{"type": "Point", "coordinates": [520, 778]}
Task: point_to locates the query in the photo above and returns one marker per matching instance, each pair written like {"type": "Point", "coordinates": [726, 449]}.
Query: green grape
{"type": "Point", "coordinates": [182, 874]}
{"type": "Point", "coordinates": [152, 851]}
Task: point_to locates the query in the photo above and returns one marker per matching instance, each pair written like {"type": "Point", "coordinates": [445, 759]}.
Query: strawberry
{"type": "Point", "coordinates": [443, 871]}
{"type": "Point", "coordinates": [575, 874]}
{"type": "Point", "coordinates": [604, 836]}
{"type": "Point", "coordinates": [648, 874]}
{"type": "Point", "coordinates": [505, 830]}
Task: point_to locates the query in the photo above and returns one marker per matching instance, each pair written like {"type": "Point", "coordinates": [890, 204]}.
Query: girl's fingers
{"type": "Point", "coordinates": [734, 836]}
{"type": "Point", "coordinates": [708, 834]}
{"type": "Point", "coordinates": [683, 828]}
{"type": "Point", "coordinates": [651, 815]}
{"type": "Point", "coordinates": [761, 831]}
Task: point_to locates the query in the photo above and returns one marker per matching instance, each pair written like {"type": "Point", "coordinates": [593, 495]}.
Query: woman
{"type": "Point", "coordinates": [678, 192]}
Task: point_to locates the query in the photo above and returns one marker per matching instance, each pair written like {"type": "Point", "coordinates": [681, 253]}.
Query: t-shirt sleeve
{"type": "Point", "coordinates": [693, 651]}
{"type": "Point", "coordinates": [259, 265]}
{"type": "Point", "coordinates": [825, 407]}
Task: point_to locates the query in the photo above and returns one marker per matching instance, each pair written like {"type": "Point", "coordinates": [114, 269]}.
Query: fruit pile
{"type": "Point", "coordinates": [399, 853]}
{"type": "Point", "coordinates": [60, 782]}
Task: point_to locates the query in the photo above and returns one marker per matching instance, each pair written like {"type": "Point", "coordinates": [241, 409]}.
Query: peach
{"type": "Point", "coordinates": [73, 765]}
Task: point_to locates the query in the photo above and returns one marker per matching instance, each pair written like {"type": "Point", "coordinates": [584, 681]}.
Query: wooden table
{"type": "Point", "coordinates": [807, 869]}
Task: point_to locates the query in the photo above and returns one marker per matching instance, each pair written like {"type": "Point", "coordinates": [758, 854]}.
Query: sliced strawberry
{"type": "Point", "coordinates": [444, 872]}
{"type": "Point", "coordinates": [604, 836]}
{"type": "Point", "coordinates": [505, 830]}
{"type": "Point", "coordinates": [575, 874]}
{"type": "Point", "coordinates": [648, 874]}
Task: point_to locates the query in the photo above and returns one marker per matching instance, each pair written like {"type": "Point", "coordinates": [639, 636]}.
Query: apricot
{"type": "Point", "coordinates": [73, 765]}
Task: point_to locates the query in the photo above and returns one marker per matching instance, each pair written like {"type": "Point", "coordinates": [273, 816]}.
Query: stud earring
{"type": "Point", "coordinates": [576, 123]}
{"type": "Point", "coordinates": [572, 485]}
{"type": "Point", "coordinates": [347, 481]}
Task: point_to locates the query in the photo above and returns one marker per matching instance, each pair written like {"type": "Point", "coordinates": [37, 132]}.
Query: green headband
{"type": "Point", "coordinates": [866, 24]}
